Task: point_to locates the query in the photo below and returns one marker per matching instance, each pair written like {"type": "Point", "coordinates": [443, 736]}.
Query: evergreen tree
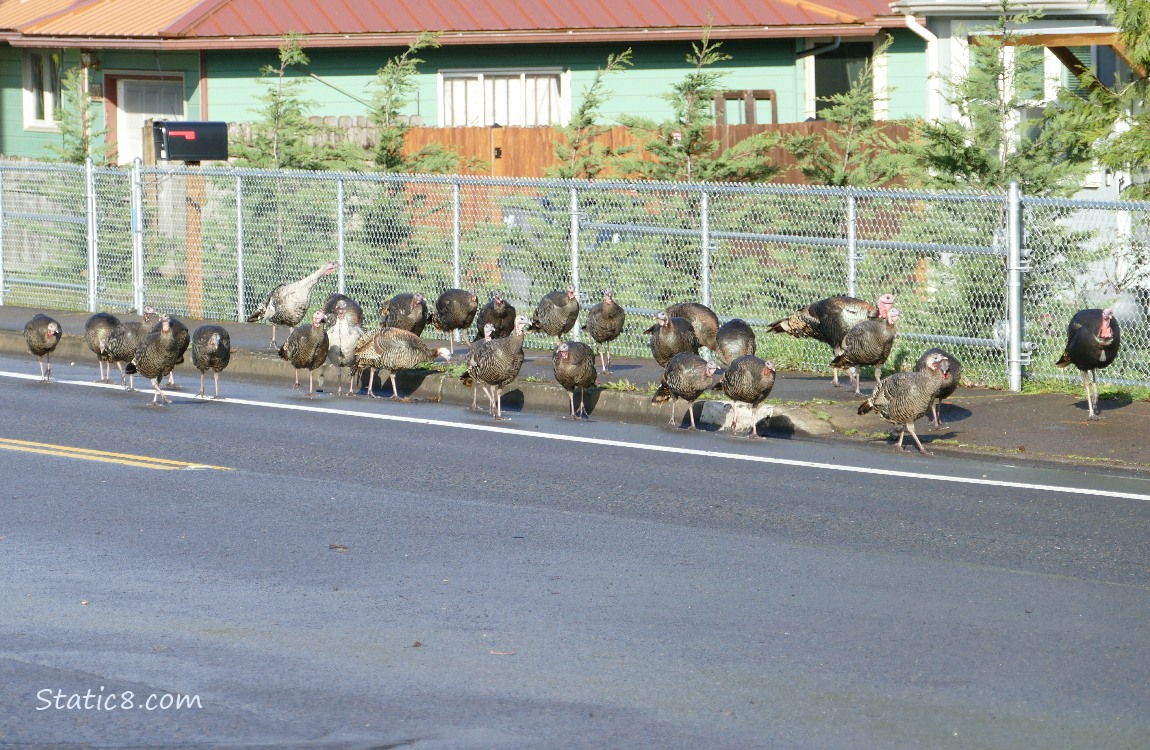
{"type": "Point", "coordinates": [580, 153]}
{"type": "Point", "coordinates": [80, 138]}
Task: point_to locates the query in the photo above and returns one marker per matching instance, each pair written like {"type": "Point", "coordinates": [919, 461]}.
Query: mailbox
{"type": "Point", "coordinates": [190, 141]}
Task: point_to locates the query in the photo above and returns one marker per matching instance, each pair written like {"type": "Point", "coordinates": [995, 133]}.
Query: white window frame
{"type": "Point", "coordinates": [42, 91]}
{"type": "Point", "coordinates": [480, 76]}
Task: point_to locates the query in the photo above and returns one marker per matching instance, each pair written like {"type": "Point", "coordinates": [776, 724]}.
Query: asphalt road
{"type": "Point", "coordinates": [358, 573]}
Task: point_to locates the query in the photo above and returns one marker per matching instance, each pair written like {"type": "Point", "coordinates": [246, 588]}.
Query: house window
{"type": "Point", "coordinates": [511, 98]}
{"type": "Point", "coordinates": [836, 69]}
{"type": "Point", "coordinates": [41, 87]}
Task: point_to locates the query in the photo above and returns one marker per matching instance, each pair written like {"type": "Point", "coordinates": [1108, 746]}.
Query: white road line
{"type": "Point", "coordinates": [626, 444]}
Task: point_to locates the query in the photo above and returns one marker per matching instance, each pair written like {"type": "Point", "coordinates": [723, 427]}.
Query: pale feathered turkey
{"type": "Point", "coordinates": [556, 313]}
{"type": "Point", "coordinates": [42, 334]}
{"type": "Point", "coordinates": [686, 377]}
{"type": "Point", "coordinates": [670, 336]}
{"type": "Point", "coordinates": [343, 336]}
{"type": "Point", "coordinates": [605, 323]}
{"type": "Point", "coordinates": [124, 341]}
{"type": "Point", "coordinates": [905, 396]}
{"type": "Point", "coordinates": [495, 364]}
{"type": "Point", "coordinates": [574, 366]}
{"type": "Point", "coordinates": [747, 380]}
{"type": "Point", "coordinates": [407, 310]}
{"type": "Point", "coordinates": [948, 385]}
{"type": "Point", "coordinates": [389, 350]}
{"type": "Point", "coordinates": [306, 349]}
{"type": "Point", "coordinates": [287, 304]}
{"type": "Point", "coordinates": [156, 356]}
{"type": "Point", "coordinates": [868, 344]}
{"type": "Point", "coordinates": [828, 321]}
{"type": "Point", "coordinates": [351, 309]}
{"type": "Point", "coordinates": [211, 350]}
{"type": "Point", "coordinates": [735, 339]}
{"type": "Point", "coordinates": [499, 313]}
{"type": "Point", "coordinates": [1093, 339]}
{"type": "Point", "coordinates": [453, 311]}
{"type": "Point", "coordinates": [704, 322]}
{"type": "Point", "coordinates": [97, 331]}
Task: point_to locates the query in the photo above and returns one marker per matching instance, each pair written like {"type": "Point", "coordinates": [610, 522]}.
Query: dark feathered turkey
{"type": "Point", "coordinates": [286, 304]}
{"type": "Point", "coordinates": [948, 385]}
{"type": "Point", "coordinates": [868, 344]}
{"type": "Point", "coordinates": [453, 311]}
{"type": "Point", "coordinates": [211, 350]}
{"type": "Point", "coordinates": [556, 313]}
{"type": "Point", "coordinates": [735, 339]}
{"type": "Point", "coordinates": [828, 320]}
{"type": "Point", "coordinates": [183, 339]}
{"type": "Point", "coordinates": [905, 396]}
{"type": "Point", "coordinates": [97, 331]}
{"type": "Point", "coordinates": [574, 365]}
{"type": "Point", "coordinates": [407, 311]}
{"type": "Point", "coordinates": [605, 323]}
{"type": "Point", "coordinates": [156, 355]}
{"type": "Point", "coordinates": [389, 350]}
{"type": "Point", "coordinates": [124, 341]}
{"type": "Point", "coordinates": [495, 364]}
{"type": "Point", "coordinates": [306, 349]}
{"type": "Point", "coordinates": [42, 334]}
{"type": "Point", "coordinates": [687, 376]}
{"type": "Point", "coordinates": [670, 336]}
{"type": "Point", "coordinates": [1092, 342]}
{"type": "Point", "coordinates": [499, 313]}
{"type": "Point", "coordinates": [343, 335]}
{"type": "Point", "coordinates": [703, 321]}
{"type": "Point", "coordinates": [352, 310]}
{"type": "Point", "coordinates": [747, 380]}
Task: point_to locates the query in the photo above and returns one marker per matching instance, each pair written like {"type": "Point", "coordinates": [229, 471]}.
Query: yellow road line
{"type": "Point", "coordinates": [127, 459]}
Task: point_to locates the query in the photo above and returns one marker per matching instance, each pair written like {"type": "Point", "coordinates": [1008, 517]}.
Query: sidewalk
{"type": "Point", "coordinates": [986, 422]}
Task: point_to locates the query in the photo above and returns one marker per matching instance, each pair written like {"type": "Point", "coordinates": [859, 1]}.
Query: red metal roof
{"type": "Point", "coordinates": [262, 23]}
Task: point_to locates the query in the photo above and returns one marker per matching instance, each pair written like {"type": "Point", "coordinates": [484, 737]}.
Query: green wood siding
{"type": "Point", "coordinates": [906, 76]}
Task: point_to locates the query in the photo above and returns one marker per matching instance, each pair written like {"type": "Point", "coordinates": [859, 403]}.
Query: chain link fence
{"type": "Point", "coordinates": [211, 243]}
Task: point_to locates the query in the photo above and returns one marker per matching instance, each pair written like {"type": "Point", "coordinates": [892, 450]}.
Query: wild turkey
{"type": "Point", "coordinates": [211, 350]}
{"type": "Point", "coordinates": [343, 335]}
{"type": "Point", "coordinates": [905, 396]}
{"type": "Point", "coordinates": [495, 364]}
{"type": "Point", "coordinates": [868, 343]}
{"type": "Point", "coordinates": [156, 355]}
{"type": "Point", "coordinates": [352, 309]}
{"type": "Point", "coordinates": [499, 313]}
{"type": "Point", "coordinates": [670, 336]}
{"type": "Point", "coordinates": [747, 380]}
{"type": "Point", "coordinates": [1092, 342]}
{"type": "Point", "coordinates": [407, 311]}
{"type": "Point", "coordinates": [574, 365]}
{"type": "Point", "coordinates": [828, 321]}
{"type": "Point", "coordinates": [306, 349]}
{"type": "Point", "coordinates": [183, 338]}
{"type": "Point", "coordinates": [286, 304]}
{"type": "Point", "coordinates": [42, 334]}
{"type": "Point", "coordinates": [735, 339]}
{"type": "Point", "coordinates": [948, 385]}
{"type": "Point", "coordinates": [703, 321]}
{"type": "Point", "coordinates": [97, 330]}
{"type": "Point", "coordinates": [605, 324]}
{"type": "Point", "coordinates": [454, 311]}
{"type": "Point", "coordinates": [390, 350]}
{"type": "Point", "coordinates": [556, 313]}
{"type": "Point", "coordinates": [124, 342]}
{"type": "Point", "coordinates": [687, 376]}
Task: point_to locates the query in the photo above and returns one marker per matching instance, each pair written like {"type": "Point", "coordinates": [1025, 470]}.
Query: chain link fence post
{"type": "Point", "coordinates": [575, 251]}
{"type": "Point", "coordinates": [137, 229]}
{"type": "Point", "coordinates": [705, 261]}
{"type": "Point", "coordinates": [852, 246]}
{"type": "Point", "coordinates": [93, 247]}
{"type": "Point", "coordinates": [3, 224]}
{"type": "Point", "coordinates": [241, 304]}
{"type": "Point", "coordinates": [1014, 285]}
{"type": "Point", "coordinates": [456, 234]}
{"type": "Point", "coordinates": [340, 238]}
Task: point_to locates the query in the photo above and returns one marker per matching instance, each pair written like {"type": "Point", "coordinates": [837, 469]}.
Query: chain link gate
{"type": "Point", "coordinates": [991, 278]}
